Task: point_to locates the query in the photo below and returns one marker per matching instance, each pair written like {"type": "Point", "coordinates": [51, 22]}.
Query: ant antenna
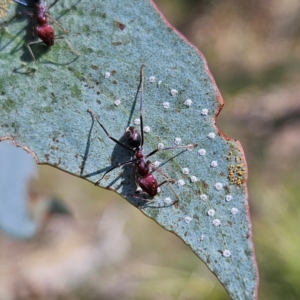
{"type": "Point", "coordinates": [141, 104]}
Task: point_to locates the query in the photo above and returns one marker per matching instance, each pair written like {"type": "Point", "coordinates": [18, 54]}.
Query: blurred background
{"type": "Point", "coordinates": [88, 243]}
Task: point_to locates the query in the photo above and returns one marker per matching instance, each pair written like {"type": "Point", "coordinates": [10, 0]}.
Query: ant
{"type": "Point", "coordinates": [44, 30]}
{"type": "Point", "coordinates": [146, 181]}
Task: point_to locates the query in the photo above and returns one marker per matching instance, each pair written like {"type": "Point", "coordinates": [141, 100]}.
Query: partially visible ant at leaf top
{"type": "Point", "coordinates": [142, 167]}
{"type": "Point", "coordinates": [43, 29]}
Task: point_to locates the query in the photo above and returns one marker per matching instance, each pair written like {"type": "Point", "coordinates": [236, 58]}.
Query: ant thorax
{"type": "Point", "coordinates": [42, 13]}
{"type": "Point", "coordinates": [142, 164]}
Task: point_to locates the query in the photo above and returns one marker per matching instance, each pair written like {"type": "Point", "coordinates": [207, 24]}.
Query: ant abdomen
{"type": "Point", "coordinates": [148, 184]}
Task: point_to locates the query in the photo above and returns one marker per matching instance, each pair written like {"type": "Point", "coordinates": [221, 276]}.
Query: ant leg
{"type": "Point", "coordinates": [29, 48]}
{"type": "Point", "coordinates": [175, 203]}
{"type": "Point", "coordinates": [52, 4]}
{"type": "Point", "coordinates": [187, 147]}
{"type": "Point", "coordinates": [134, 175]}
{"type": "Point", "coordinates": [114, 167]}
{"type": "Point", "coordinates": [170, 186]}
{"type": "Point", "coordinates": [15, 16]}
{"type": "Point", "coordinates": [31, 15]}
{"type": "Point", "coordinates": [165, 181]}
{"type": "Point", "coordinates": [39, 41]}
{"type": "Point", "coordinates": [108, 135]}
{"type": "Point", "coordinates": [32, 27]}
{"type": "Point", "coordinates": [68, 43]}
{"type": "Point", "coordinates": [20, 13]}
{"type": "Point", "coordinates": [58, 24]}
{"type": "Point", "coordinates": [141, 104]}
{"type": "Point", "coordinates": [137, 195]}
{"type": "Point", "coordinates": [168, 180]}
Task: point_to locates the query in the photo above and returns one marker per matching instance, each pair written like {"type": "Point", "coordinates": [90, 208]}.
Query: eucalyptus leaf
{"type": "Point", "coordinates": [44, 108]}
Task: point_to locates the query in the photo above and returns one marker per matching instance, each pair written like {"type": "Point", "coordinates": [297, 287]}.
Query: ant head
{"type": "Point", "coordinates": [133, 137]}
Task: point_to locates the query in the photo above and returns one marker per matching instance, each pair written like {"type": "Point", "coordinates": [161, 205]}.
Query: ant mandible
{"type": "Point", "coordinates": [147, 181]}
{"type": "Point", "coordinates": [44, 30]}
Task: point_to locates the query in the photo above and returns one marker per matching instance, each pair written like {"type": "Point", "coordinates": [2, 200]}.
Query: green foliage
{"type": "Point", "coordinates": [45, 109]}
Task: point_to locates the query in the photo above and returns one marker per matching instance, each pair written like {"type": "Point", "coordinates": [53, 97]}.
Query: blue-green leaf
{"type": "Point", "coordinates": [44, 108]}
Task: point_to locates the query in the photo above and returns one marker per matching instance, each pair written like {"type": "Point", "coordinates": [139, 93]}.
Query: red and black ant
{"type": "Point", "coordinates": [44, 30]}
{"type": "Point", "coordinates": [146, 181]}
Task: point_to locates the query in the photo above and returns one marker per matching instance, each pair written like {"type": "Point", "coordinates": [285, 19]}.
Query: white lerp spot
{"type": "Point", "coordinates": [152, 79]}
{"type": "Point", "coordinates": [181, 182]}
{"type": "Point", "coordinates": [203, 197]}
{"type": "Point", "coordinates": [166, 105]}
{"type": "Point", "coordinates": [156, 164]}
{"type": "Point", "coordinates": [160, 145]}
{"type": "Point", "coordinates": [159, 82]}
{"type": "Point", "coordinates": [194, 179]}
{"type": "Point", "coordinates": [174, 92]}
{"type": "Point", "coordinates": [187, 220]}
{"type": "Point", "coordinates": [226, 253]}
{"type": "Point", "coordinates": [234, 210]}
{"type": "Point", "coordinates": [216, 222]}
{"type": "Point", "coordinates": [204, 112]}
{"type": "Point", "coordinates": [107, 75]}
{"type": "Point", "coordinates": [177, 141]}
{"type": "Point", "coordinates": [211, 212]}
{"type": "Point", "coordinates": [211, 135]}
{"type": "Point", "coordinates": [228, 198]}
{"type": "Point", "coordinates": [188, 102]}
{"type": "Point", "coordinates": [218, 186]}
{"type": "Point", "coordinates": [117, 102]}
{"type": "Point", "coordinates": [139, 189]}
{"type": "Point", "coordinates": [185, 170]}
{"type": "Point", "coordinates": [202, 152]}
{"type": "Point", "coordinates": [158, 190]}
{"type": "Point", "coordinates": [214, 164]}
{"type": "Point", "coordinates": [147, 129]}
{"type": "Point", "coordinates": [137, 121]}
{"type": "Point", "coordinates": [168, 200]}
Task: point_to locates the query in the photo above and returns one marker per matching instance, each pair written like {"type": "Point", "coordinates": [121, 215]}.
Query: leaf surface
{"type": "Point", "coordinates": [45, 110]}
